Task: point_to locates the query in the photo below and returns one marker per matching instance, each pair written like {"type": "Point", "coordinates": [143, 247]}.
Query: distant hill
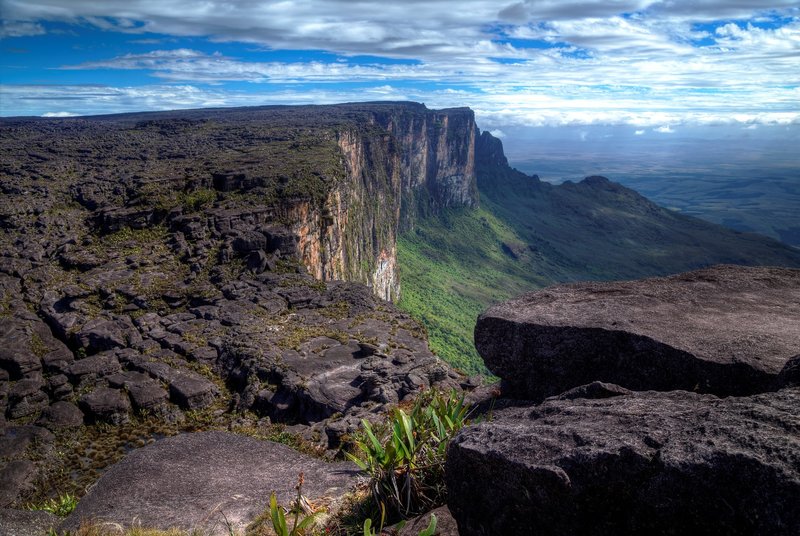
{"type": "Point", "coordinates": [528, 234]}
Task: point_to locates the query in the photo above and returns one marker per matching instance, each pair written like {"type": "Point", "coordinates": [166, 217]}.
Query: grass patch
{"type": "Point", "coordinates": [452, 267]}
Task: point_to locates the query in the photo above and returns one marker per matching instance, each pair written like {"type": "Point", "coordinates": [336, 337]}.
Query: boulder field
{"type": "Point", "coordinates": [625, 446]}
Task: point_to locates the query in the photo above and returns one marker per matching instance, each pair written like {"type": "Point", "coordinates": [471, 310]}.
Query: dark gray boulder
{"type": "Point", "coordinates": [16, 478]}
{"type": "Point", "coordinates": [106, 405]}
{"type": "Point", "coordinates": [26, 522]}
{"type": "Point", "coordinates": [790, 373]}
{"type": "Point", "coordinates": [101, 334]}
{"type": "Point", "coordinates": [89, 369]}
{"type": "Point", "coordinates": [726, 330]}
{"type": "Point", "coordinates": [645, 463]}
{"type": "Point", "coordinates": [145, 393]}
{"type": "Point", "coordinates": [61, 415]}
{"type": "Point", "coordinates": [190, 481]}
{"type": "Point", "coordinates": [26, 398]}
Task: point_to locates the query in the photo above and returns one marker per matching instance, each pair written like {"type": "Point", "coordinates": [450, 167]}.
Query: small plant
{"type": "Point", "coordinates": [299, 526]}
{"type": "Point", "coordinates": [406, 465]}
{"type": "Point", "coordinates": [62, 506]}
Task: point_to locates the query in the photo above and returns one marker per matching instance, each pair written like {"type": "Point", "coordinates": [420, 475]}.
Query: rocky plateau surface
{"type": "Point", "coordinates": [184, 271]}
{"type": "Point", "coordinates": [609, 454]}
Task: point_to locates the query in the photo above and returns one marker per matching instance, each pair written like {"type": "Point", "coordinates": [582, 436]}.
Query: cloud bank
{"type": "Point", "coordinates": [647, 63]}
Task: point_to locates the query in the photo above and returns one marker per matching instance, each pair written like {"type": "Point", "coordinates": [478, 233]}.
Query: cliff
{"type": "Point", "coordinates": [181, 271]}
{"type": "Point", "coordinates": [335, 182]}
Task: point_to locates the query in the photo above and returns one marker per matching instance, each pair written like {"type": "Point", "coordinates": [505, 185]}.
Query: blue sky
{"type": "Point", "coordinates": [655, 65]}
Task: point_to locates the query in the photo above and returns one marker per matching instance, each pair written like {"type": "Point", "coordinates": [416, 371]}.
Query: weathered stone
{"type": "Point", "coordinates": [16, 439]}
{"type": "Point", "coordinates": [594, 390]}
{"type": "Point", "coordinates": [105, 405]}
{"type": "Point", "coordinates": [726, 330]}
{"type": "Point", "coordinates": [790, 374]}
{"type": "Point", "coordinates": [16, 479]}
{"type": "Point", "coordinates": [15, 354]}
{"type": "Point", "coordinates": [645, 463]}
{"type": "Point", "coordinates": [145, 392]}
{"type": "Point", "coordinates": [61, 415]}
{"type": "Point", "coordinates": [250, 241]}
{"type": "Point", "coordinates": [93, 367]}
{"type": "Point", "coordinates": [26, 398]}
{"type": "Point", "coordinates": [188, 389]}
{"type": "Point", "coordinates": [27, 522]}
{"type": "Point", "coordinates": [102, 334]}
{"type": "Point", "coordinates": [445, 524]}
{"type": "Point", "coordinates": [204, 480]}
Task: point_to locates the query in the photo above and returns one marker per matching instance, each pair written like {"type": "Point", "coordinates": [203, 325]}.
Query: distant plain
{"type": "Point", "coordinates": [743, 179]}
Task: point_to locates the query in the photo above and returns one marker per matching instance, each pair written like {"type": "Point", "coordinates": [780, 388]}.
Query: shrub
{"type": "Point", "coordinates": [405, 460]}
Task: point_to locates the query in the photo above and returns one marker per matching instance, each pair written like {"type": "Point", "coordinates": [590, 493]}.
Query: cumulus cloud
{"type": "Point", "coordinates": [665, 129]}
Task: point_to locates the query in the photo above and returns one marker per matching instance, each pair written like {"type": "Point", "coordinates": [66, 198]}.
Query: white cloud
{"type": "Point", "coordinates": [628, 61]}
{"type": "Point", "coordinates": [664, 130]}
{"type": "Point", "coordinates": [59, 114]}
{"type": "Point", "coordinates": [11, 28]}
{"type": "Point", "coordinates": [639, 132]}
{"type": "Point", "coordinates": [497, 133]}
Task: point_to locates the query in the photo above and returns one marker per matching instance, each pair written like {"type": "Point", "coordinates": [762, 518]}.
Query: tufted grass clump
{"type": "Point", "coordinates": [405, 458]}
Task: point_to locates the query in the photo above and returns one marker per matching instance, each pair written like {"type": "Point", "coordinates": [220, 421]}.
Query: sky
{"type": "Point", "coordinates": [655, 66]}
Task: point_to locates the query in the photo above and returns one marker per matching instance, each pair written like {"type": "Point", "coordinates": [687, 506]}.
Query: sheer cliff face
{"type": "Point", "coordinates": [331, 185]}
{"type": "Point", "coordinates": [405, 161]}
{"type": "Point", "coordinates": [437, 158]}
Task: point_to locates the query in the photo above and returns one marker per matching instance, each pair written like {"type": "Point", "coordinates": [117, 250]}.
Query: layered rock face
{"type": "Point", "coordinates": [609, 454]}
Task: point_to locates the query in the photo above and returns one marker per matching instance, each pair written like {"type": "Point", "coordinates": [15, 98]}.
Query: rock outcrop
{"type": "Point", "coordinates": [642, 463]}
{"type": "Point", "coordinates": [727, 330]}
{"type": "Point", "coordinates": [210, 482]}
{"type": "Point", "coordinates": [26, 522]}
{"type": "Point", "coordinates": [213, 269]}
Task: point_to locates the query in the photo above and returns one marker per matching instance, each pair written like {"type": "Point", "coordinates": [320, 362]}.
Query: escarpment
{"type": "Point", "coordinates": [210, 270]}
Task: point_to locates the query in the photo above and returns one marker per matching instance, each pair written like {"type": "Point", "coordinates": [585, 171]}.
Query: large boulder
{"type": "Point", "coordinates": [204, 480]}
{"type": "Point", "coordinates": [643, 463]}
{"type": "Point", "coordinates": [727, 330]}
{"type": "Point", "coordinates": [27, 522]}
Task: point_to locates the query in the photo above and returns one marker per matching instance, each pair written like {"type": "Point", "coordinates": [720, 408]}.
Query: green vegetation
{"type": "Point", "coordinates": [62, 506]}
{"type": "Point", "coordinates": [453, 267]}
{"type": "Point", "coordinates": [405, 457]}
{"type": "Point", "coordinates": [278, 519]}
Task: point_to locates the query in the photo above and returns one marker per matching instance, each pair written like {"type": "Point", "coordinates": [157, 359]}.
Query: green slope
{"type": "Point", "coordinates": [452, 267]}
{"type": "Point", "coordinates": [528, 234]}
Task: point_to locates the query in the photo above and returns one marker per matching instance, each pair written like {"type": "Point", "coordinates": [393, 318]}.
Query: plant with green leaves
{"type": "Point", "coordinates": [405, 458]}
{"type": "Point", "coordinates": [300, 526]}
{"type": "Point", "coordinates": [62, 506]}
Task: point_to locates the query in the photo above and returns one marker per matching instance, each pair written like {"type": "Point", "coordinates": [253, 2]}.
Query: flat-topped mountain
{"type": "Point", "coordinates": [228, 269]}
{"type": "Point", "coordinates": [339, 179]}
